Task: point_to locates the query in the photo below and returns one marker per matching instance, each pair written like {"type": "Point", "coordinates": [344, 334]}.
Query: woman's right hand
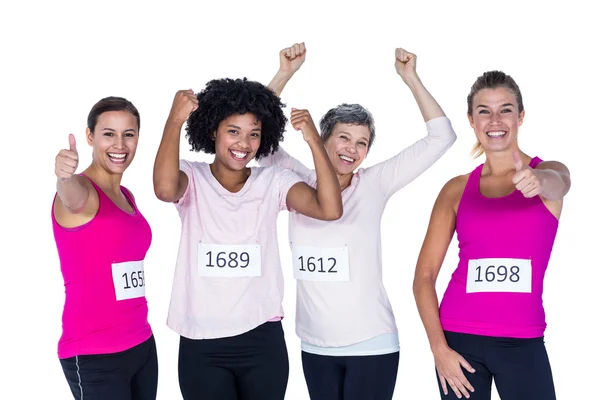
{"type": "Point", "coordinates": [67, 161]}
{"type": "Point", "coordinates": [448, 364]}
{"type": "Point", "coordinates": [406, 65]}
{"type": "Point", "coordinates": [291, 58]}
{"type": "Point", "coordinates": [184, 103]}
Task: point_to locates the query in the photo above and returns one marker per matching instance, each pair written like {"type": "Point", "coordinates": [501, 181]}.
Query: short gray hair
{"type": "Point", "coordinates": [353, 114]}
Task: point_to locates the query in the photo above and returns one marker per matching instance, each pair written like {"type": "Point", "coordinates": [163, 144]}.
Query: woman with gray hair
{"type": "Point", "coordinates": [350, 347]}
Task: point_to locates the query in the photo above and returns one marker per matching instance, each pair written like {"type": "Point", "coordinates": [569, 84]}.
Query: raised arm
{"type": "Point", "coordinates": [73, 191]}
{"type": "Point", "coordinates": [324, 202]}
{"type": "Point", "coordinates": [441, 229]}
{"type": "Point", "coordinates": [406, 67]}
{"type": "Point", "coordinates": [290, 61]}
{"type": "Point", "coordinates": [170, 182]}
{"type": "Point", "coordinates": [76, 200]}
{"type": "Point", "coordinates": [395, 173]}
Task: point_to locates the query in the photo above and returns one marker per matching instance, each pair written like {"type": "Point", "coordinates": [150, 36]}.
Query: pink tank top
{"type": "Point", "coordinates": [504, 248]}
{"type": "Point", "coordinates": [105, 306]}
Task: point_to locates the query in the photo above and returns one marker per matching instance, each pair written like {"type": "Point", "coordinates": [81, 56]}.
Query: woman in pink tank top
{"type": "Point", "coordinates": [490, 323]}
{"type": "Point", "coordinates": [107, 349]}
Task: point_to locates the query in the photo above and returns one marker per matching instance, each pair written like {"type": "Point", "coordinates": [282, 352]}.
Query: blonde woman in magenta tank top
{"type": "Point", "coordinates": [106, 349]}
{"type": "Point", "coordinates": [490, 323]}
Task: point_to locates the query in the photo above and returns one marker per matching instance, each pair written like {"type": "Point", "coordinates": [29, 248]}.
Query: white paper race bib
{"type": "Point", "coordinates": [128, 278]}
{"type": "Point", "coordinates": [322, 264]}
{"type": "Point", "coordinates": [229, 261]}
{"type": "Point", "coordinates": [499, 275]}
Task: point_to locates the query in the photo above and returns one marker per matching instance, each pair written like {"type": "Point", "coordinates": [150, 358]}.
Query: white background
{"type": "Point", "coordinates": [58, 59]}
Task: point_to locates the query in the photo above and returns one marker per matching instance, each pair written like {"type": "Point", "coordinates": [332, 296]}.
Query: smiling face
{"type": "Point", "coordinates": [114, 140]}
{"type": "Point", "coordinates": [496, 119]}
{"type": "Point", "coordinates": [237, 140]}
{"type": "Point", "coordinates": [347, 147]}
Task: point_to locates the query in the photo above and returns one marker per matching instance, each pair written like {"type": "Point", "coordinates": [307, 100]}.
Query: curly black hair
{"type": "Point", "coordinates": [222, 98]}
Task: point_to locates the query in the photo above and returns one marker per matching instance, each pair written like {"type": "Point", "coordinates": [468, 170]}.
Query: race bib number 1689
{"type": "Point", "coordinates": [229, 261]}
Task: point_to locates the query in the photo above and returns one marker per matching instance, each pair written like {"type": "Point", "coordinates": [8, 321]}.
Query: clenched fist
{"type": "Point", "coordinates": [292, 58]}
{"type": "Point", "coordinates": [302, 121]}
{"type": "Point", "coordinates": [67, 160]}
{"type": "Point", "coordinates": [406, 64]}
{"type": "Point", "coordinates": [184, 103]}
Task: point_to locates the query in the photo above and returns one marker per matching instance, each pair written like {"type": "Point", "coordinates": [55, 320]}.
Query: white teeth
{"type": "Point", "coordinates": [345, 158]}
{"type": "Point", "coordinates": [496, 133]}
{"type": "Point", "coordinates": [239, 154]}
{"type": "Point", "coordinates": [117, 155]}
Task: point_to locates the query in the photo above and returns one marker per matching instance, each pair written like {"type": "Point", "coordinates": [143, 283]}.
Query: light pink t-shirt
{"type": "Point", "coordinates": [215, 307]}
{"type": "Point", "coordinates": [335, 314]}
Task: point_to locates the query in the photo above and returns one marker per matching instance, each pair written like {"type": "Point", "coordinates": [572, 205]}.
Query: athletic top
{"type": "Point", "coordinates": [505, 245]}
{"type": "Point", "coordinates": [341, 299]}
{"type": "Point", "coordinates": [102, 264]}
{"type": "Point", "coordinates": [228, 277]}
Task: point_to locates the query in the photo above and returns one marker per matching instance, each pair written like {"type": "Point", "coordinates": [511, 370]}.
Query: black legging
{"type": "Point", "coordinates": [128, 375]}
{"type": "Point", "coordinates": [250, 366]}
{"type": "Point", "coordinates": [350, 377]}
{"type": "Point", "coordinates": [520, 367]}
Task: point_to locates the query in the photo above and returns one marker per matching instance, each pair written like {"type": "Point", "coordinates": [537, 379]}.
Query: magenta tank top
{"type": "Point", "coordinates": [105, 307]}
{"type": "Point", "coordinates": [504, 248]}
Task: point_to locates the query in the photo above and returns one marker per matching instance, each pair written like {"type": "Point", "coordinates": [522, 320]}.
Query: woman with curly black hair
{"type": "Point", "coordinates": [228, 286]}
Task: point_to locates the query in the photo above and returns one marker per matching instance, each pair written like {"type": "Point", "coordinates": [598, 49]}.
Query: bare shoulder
{"type": "Point", "coordinates": [73, 218]}
{"type": "Point", "coordinates": [452, 191]}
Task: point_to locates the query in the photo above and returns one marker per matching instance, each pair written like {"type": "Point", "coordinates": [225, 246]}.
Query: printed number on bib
{"type": "Point", "coordinates": [229, 261]}
{"type": "Point", "coordinates": [499, 275]}
{"type": "Point", "coordinates": [323, 264]}
{"type": "Point", "coordinates": [128, 278]}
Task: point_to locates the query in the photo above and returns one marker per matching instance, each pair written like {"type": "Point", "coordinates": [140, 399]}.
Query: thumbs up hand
{"type": "Point", "coordinates": [67, 160]}
{"type": "Point", "coordinates": [526, 179]}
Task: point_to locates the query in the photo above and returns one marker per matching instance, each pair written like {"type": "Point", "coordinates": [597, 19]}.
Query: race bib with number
{"type": "Point", "coordinates": [499, 275]}
{"type": "Point", "coordinates": [229, 261]}
{"type": "Point", "coordinates": [128, 278]}
{"type": "Point", "coordinates": [322, 264]}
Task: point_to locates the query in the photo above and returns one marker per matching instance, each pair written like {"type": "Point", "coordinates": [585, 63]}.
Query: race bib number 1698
{"type": "Point", "coordinates": [499, 275]}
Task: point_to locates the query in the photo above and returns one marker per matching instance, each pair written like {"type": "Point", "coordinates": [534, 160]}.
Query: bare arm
{"type": "Point", "coordinates": [279, 81]}
{"type": "Point", "coordinates": [406, 66]}
{"type": "Point", "coordinates": [392, 175]}
{"type": "Point", "coordinates": [439, 235]}
{"type": "Point", "coordinates": [325, 202]}
{"type": "Point", "coordinates": [73, 191]}
{"type": "Point", "coordinates": [290, 61]}
{"type": "Point", "coordinates": [170, 182]}
{"type": "Point", "coordinates": [555, 180]}
{"type": "Point", "coordinates": [550, 180]}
